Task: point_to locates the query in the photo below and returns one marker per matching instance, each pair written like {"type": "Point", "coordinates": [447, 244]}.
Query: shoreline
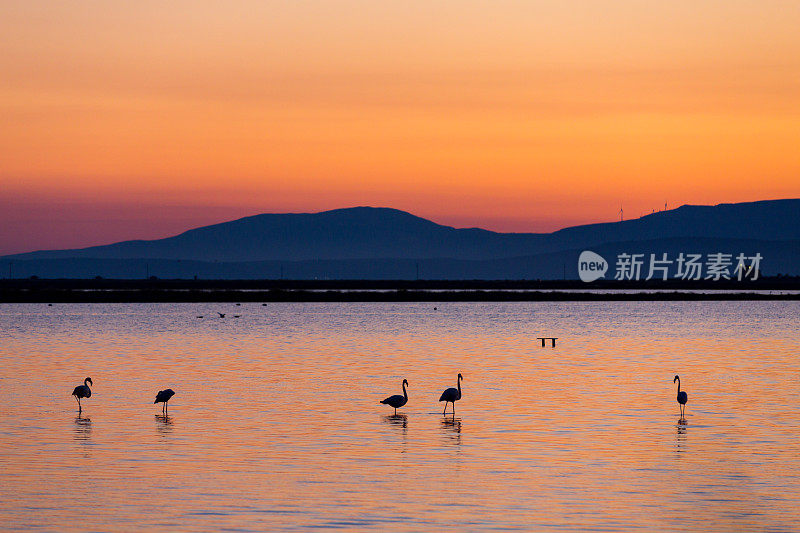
{"type": "Point", "coordinates": [154, 290]}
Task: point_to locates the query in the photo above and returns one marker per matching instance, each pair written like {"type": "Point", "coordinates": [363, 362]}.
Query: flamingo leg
{"type": "Point", "coordinates": [454, 410]}
{"type": "Point", "coordinates": [445, 409]}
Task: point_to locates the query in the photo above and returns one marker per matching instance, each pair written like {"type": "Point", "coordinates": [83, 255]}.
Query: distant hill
{"type": "Point", "coordinates": [375, 243]}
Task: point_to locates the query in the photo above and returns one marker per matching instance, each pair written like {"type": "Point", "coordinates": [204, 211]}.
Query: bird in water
{"type": "Point", "coordinates": [221, 315]}
{"type": "Point", "coordinates": [451, 395]}
{"type": "Point", "coordinates": [83, 391]}
{"type": "Point", "coordinates": [397, 400]}
{"type": "Point", "coordinates": [682, 396]}
{"type": "Point", "coordinates": [164, 396]}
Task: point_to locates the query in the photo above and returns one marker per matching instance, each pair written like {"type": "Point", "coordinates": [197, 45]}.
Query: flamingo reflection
{"type": "Point", "coordinates": [164, 424]}
{"type": "Point", "coordinates": [680, 435]}
{"type": "Point", "coordinates": [400, 420]}
{"type": "Point", "coordinates": [452, 428]}
{"type": "Point", "coordinates": [83, 428]}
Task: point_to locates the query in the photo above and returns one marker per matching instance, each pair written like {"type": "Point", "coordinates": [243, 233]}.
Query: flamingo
{"type": "Point", "coordinates": [397, 400]}
{"type": "Point", "coordinates": [682, 396]}
{"type": "Point", "coordinates": [164, 396]}
{"type": "Point", "coordinates": [83, 391]}
{"type": "Point", "coordinates": [451, 395]}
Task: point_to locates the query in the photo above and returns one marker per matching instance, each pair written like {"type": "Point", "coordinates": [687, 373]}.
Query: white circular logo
{"type": "Point", "coordinates": [591, 266]}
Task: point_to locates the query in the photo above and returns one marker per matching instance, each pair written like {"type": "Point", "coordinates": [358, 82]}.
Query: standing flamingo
{"type": "Point", "coordinates": [83, 391]}
{"type": "Point", "coordinates": [397, 400]}
{"type": "Point", "coordinates": [451, 395]}
{"type": "Point", "coordinates": [682, 396]}
{"type": "Point", "coordinates": [164, 396]}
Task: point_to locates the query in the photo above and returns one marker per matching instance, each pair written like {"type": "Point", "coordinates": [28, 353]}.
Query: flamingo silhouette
{"type": "Point", "coordinates": [397, 400]}
{"type": "Point", "coordinates": [82, 391]}
{"type": "Point", "coordinates": [164, 396]}
{"type": "Point", "coordinates": [682, 396]}
{"type": "Point", "coordinates": [451, 395]}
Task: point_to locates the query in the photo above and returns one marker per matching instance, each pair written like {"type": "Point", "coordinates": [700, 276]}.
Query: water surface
{"type": "Point", "coordinates": [276, 422]}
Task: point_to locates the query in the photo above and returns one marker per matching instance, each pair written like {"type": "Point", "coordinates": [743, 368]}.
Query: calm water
{"type": "Point", "coordinates": [276, 422]}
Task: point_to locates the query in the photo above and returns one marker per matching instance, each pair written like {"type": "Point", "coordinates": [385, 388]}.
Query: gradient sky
{"type": "Point", "coordinates": [141, 119]}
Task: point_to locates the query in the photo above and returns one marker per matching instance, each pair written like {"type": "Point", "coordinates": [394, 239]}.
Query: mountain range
{"type": "Point", "coordinates": [384, 243]}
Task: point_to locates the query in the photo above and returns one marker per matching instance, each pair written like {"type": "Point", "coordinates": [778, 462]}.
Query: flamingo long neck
{"type": "Point", "coordinates": [405, 394]}
{"type": "Point", "coordinates": [459, 386]}
{"type": "Point", "coordinates": [86, 382]}
{"type": "Point", "coordinates": [679, 385]}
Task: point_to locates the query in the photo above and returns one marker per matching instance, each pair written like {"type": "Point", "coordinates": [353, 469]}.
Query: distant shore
{"type": "Point", "coordinates": [156, 290]}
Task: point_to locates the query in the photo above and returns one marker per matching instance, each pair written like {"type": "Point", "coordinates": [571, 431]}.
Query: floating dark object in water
{"type": "Point", "coordinates": [238, 304]}
{"type": "Point", "coordinates": [551, 339]}
{"type": "Point", "coordinates": [201, 316]}
{"type": "Point", "coordinates": [49, 305]}
{"type": "Point", "coordinates": [221, 315]}
{"type": "Point", "coordinates": [236, 316]}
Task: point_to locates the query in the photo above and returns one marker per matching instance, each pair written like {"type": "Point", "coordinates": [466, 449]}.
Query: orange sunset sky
{"type": "Point", "coordinates": [141, 119]}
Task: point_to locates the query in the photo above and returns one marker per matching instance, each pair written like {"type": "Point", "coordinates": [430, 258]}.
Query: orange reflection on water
{"type": "Point", "coordinates": [276, 421]}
